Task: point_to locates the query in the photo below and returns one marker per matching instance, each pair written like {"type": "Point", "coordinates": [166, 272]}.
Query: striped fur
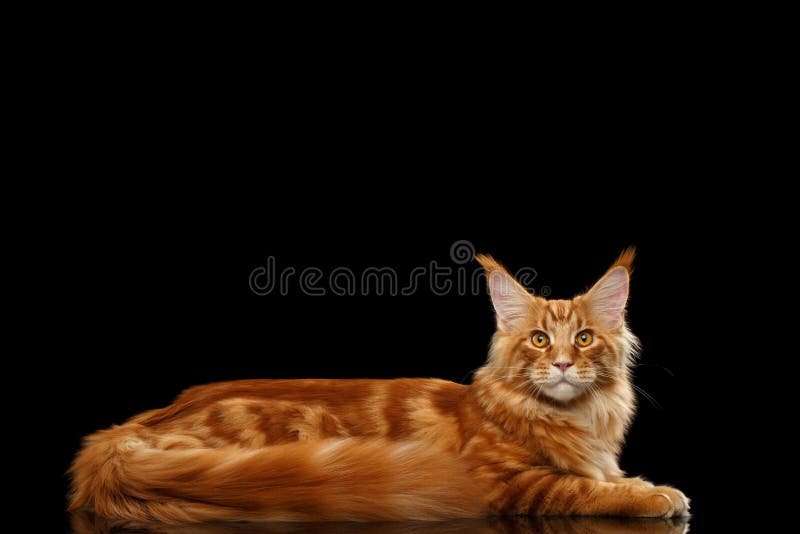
{"type": "Point", "coordinates": [539, 431]}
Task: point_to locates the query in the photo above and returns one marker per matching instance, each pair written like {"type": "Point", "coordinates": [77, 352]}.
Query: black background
{"type": "Point", "coordinates": [165, 303]}
{"type": "Point", "coordinates": [200, 172]}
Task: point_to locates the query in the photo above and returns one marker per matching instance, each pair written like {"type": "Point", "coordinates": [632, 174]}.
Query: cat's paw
{"type": "Point", "coordinates": [664, 501]}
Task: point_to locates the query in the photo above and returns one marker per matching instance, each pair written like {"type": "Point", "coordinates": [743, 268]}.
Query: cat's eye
{"type": "Point", "coordinates": [540, 339]}
{"type": "Point", "coordinates": [584, 338]}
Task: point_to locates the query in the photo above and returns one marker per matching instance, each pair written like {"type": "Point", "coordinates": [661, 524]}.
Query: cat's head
{"type": "Point", "coordinates": [561, 349]}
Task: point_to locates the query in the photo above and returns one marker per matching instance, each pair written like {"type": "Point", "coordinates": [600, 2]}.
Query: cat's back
{"type": "Point", "coordinates": [281, 410]}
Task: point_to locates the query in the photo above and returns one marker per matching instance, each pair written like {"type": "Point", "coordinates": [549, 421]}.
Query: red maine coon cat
{"type": "Point", "coordinates": [538, 431]}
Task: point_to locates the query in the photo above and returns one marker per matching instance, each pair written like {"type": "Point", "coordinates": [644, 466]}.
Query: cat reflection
{"type": "Point", "coordinates": [86, 523]}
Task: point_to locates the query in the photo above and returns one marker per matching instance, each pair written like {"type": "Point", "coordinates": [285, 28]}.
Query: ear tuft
{"type": "Point", "coordinates": [488, 262]}
{"type": "Point", "coordinates": [625, 259]}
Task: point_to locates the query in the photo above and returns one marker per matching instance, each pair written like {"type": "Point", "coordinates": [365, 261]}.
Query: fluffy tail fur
{"type": "Point", "coordinates": [121, 475]}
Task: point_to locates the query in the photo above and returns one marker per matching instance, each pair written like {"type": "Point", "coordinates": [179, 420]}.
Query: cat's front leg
{"type": "Point", "coordinates": [633, 481]}
{"type": "Point", "coordinates": [546, 492]}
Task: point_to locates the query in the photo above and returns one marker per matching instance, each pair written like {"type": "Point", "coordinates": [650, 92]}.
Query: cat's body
{"type": "Point", "coordinates": [516, 441]}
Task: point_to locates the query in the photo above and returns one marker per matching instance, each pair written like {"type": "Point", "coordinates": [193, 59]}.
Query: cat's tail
{"type": "Point", "coordinates": [125, 474]}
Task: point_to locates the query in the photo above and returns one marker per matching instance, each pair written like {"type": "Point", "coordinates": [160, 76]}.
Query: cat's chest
{"type": "Point", "coordinates": [574, 445]}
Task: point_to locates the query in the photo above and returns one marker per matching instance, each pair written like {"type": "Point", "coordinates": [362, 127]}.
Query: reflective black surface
{"type": "Point", "coordinates": [84, 523]}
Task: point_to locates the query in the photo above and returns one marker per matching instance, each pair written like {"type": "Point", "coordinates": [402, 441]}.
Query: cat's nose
{"type": "Point", "coordinates": [563, 366]}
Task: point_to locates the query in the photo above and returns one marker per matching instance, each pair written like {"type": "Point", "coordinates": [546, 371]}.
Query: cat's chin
{"type": "Point", "coordinates": [562, 391]}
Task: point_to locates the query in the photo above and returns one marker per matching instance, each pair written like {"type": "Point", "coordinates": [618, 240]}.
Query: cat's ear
{"type": "Point", "coordinates": [510, 299]}
{"type": "Point", "coordinates": [608, 296]}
